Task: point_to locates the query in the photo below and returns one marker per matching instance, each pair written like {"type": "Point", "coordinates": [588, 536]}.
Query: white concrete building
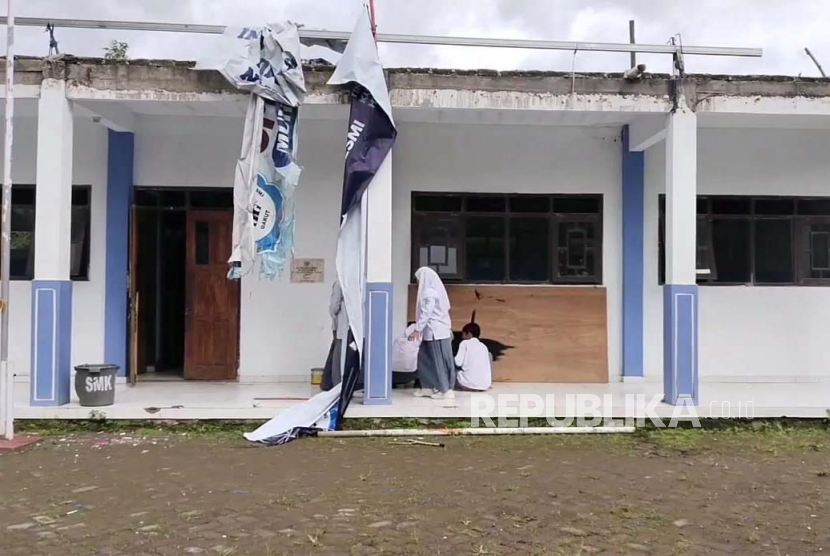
{"type": "Point", "coordinates": [670, 231]}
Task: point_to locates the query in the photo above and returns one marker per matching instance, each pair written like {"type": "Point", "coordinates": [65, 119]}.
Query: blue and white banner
{"type": "Point", "coordinates": [266, 62]}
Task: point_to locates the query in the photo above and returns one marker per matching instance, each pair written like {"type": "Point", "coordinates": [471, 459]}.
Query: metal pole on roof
{"type": "Point", "coordinates": [632, 40]}
{"type": "Point", "coordinates": [404, 39]}
{"type": "Point", "coordinates": [6, 376]}
{"type": "Point", "coordinates": [813, 58]}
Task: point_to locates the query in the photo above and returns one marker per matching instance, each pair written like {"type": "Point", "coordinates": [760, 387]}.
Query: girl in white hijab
{"type": "Point", "coordinates": [436, 367]}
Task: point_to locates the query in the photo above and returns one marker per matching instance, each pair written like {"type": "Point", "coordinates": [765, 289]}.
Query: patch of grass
{"type": "Point", "coordinates": [198, 429]}
{"type": "Point", "coordinates": [768, 435]}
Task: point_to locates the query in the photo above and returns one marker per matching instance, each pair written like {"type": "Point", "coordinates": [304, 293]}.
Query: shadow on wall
{"type": "Point", "coordinates": [496, 347]}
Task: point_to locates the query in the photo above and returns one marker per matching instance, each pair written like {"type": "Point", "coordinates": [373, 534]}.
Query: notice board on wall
{"type": "Point", "coordinates": [308, 271]}
{"type": "Point", "coordinates": [536, 333]}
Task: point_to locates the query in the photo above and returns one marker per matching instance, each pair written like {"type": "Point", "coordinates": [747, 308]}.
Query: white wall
{"type": "Point", "coordinates": [24, 158]}
{"type": "Point", "coordinates": [285, 329]}
{"type": "Point", "coordinates": [89, 168]}
{"type": "Point", "coordinates": [510, 159]}
{"type": "Point", "coordinates": [187, 151]}
{"type": "Point", "coordinates": [747, 333]}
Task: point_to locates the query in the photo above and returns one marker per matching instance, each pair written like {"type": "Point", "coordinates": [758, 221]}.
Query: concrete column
{"type": "Point", "coordinates": [51, 288]}
{"type": "Point", "coordinates": [379, 291]}
{"type": "Point", "coordinates": [119, 196]}
{"type": "Point", "coordinates": [633, 201]}
{"type": "Point", "coordinates": [680, 303]}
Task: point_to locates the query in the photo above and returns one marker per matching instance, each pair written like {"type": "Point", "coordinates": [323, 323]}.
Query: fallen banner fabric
{"type": "Point", "coordinates": [369, 139]}
{"type": "Point", "coordinates": [304, 419]}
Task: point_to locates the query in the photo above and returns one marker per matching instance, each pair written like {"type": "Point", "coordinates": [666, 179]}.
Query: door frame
{"type": "Point", "coordinates": [133, 313]}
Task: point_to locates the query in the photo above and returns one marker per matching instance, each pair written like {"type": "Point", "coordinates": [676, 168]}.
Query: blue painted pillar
{"type": "Point", "coordinates": [51, 342]}
{"type": "Point", "coordinates": [119, 195]}
{"type": "Point", "coordinates": [378, 302]}
{"type": "Point", "coordinates": [377, 389]}
{"type": "Point", "coordinates": [633, 202]}
{"type": "Point", "coordinates": [680, 380]}
{"type": "Point", "coordinates": [51, 365]}
{"type": "Point", "coordinates": [680, 295]}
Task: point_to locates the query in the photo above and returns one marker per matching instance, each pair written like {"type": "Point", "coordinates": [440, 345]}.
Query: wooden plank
{"type": "Point", "coordinates": [536, 333]}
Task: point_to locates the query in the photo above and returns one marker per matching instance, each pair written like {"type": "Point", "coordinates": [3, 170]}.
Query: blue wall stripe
{"type": "Point", "coordinates": [51, 342]}
{"type": "Point", "coordinates": [119, 196]}
{"type": "Point", "coordinates": [680, 343]}
{"type": "Point", "coordinates": [633, 201]}
{"type": "Point", "coordinates": [378, 380]}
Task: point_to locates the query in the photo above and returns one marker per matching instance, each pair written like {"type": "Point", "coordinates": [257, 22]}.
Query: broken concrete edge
{"type": "Point", "coordinates": [178, 76]}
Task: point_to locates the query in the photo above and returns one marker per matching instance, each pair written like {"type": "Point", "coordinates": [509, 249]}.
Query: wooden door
{"type": "Point", "coordinates": [211, 336]}
{"type": "Point", "coordinates": [136, 337]}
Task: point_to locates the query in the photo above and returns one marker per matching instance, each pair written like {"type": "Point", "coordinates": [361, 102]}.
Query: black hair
{"type": "Point", "coordinates": [410, 323]}
{"type": "Point", "coordinates": [472, 329]}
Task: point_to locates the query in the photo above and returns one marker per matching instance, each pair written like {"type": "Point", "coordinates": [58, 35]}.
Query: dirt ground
{"type": "Point", "coordinates": [171, 493]}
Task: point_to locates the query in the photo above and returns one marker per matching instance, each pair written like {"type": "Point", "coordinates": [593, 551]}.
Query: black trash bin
{"type": "Point", "coordinates": [95, 384]}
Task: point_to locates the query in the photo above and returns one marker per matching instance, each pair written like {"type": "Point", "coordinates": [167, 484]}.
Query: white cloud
{"type": "Point", "coordinates": [783, 29]}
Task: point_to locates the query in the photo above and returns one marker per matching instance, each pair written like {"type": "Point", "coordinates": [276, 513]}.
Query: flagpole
{"type": "Point", "coordinates": [6, 387]}
{"type": "Point", "coordinates": [373, 19]}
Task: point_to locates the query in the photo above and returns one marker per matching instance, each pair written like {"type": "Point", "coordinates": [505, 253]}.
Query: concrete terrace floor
{"type": "Point", "coordinates": [218, 400]}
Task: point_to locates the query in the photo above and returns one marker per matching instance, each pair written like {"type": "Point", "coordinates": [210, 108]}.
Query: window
{"type": "Point", "coordinates": [509, 238]}
{"type": "Point", "coordinates": [759, 240]}
{"type": "Point", "coordinates": [23, 233]}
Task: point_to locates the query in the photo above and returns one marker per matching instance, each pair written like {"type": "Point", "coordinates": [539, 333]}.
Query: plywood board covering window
{"type": "Point", "coordinates": [535, 333]}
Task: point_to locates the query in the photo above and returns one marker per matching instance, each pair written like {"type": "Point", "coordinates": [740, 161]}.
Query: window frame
{"type": "Point", "coordinates": [421, 218]}
{"type": "Point", "coordinates": [86, 255]}
{"type": "Point", "coordinates": [798, 223]}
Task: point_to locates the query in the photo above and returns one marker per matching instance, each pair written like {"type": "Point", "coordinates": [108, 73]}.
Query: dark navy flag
{"type": "Point", "coordinates": [369, 138]}
{"type": "Point", "coordinates": [368, 142]}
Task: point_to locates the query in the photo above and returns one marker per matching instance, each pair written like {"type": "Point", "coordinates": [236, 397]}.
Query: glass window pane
{"type": "Point", "coordinates": [145, 198]}
{"type": "Point", "coordinates": [202, 242]}
{"type": "Point", "coordinates": [485, 204]}
{"type": "Point", "coordinates": [814, 207]}
{"type": "Point", "coordinates": [437, 203]}
{"type": "Point", "coordinates": [24, 195]}
{"type": "Point", "coordinates": [702, 205]}
{"type": "Point", "coordinates": [437, 243]}
{"type": "Point", "coordinates": [529, 249]}
{"type": "Point", "coordinates": [702, 245]}
{"type": "Point", "coordinates": [730, 242]}
{"type": "Point", "coordinates": [576, 205]}
{"type": "Point", "coordinates": [80, 196]}
{"type": "Point", "coordinates": [484, 242]}
{"type": "Point", "coordinates": [173, 199]}
{"type": "Point", "coordinates": [731, 205]}
{"type": "Point", "coordinates": [819, 250]}
{"type": "Point", "coordinates": [219, 199]}
{"type": "Point", "coordinates": [773, 251]}
{"type": "Point", "coordinates": [774, 207]}
{"type": "Point", "coordinates": [530, 204]}
{"type": "Point", "coordinates": [22, 253]}
{"type": "Point", "coordinates": [577, 246]}
{"type": "Point", "coordinates": [79, 247]}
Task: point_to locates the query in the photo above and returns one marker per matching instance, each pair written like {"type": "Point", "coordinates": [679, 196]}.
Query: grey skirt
{"type": "Point", "coordinates": [436, 366]}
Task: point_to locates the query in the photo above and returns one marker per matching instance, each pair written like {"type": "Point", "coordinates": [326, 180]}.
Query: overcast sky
{"type": "Point", "coordinates": [781, 27]}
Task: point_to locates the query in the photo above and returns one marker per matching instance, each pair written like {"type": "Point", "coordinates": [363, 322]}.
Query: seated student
{"type": "Point", "coordinates": [405, 357]}
{"type": "Point", "coordinates": [473, 361]}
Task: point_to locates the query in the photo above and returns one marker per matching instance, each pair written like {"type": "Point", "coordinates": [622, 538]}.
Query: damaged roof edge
{"type": "Point", "coordinates": [176, 76]}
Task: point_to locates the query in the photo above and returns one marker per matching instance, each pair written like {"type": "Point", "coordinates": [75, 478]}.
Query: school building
{"type": "Point", "coordinates": [664, 234]}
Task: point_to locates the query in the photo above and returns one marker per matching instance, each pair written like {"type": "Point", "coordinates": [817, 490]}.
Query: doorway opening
{"type": "Point", "coordinates": [178, 303]}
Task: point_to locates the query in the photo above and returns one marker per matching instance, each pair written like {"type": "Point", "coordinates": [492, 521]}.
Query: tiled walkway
{"type": "Point", "coordinates": [200, 400]}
